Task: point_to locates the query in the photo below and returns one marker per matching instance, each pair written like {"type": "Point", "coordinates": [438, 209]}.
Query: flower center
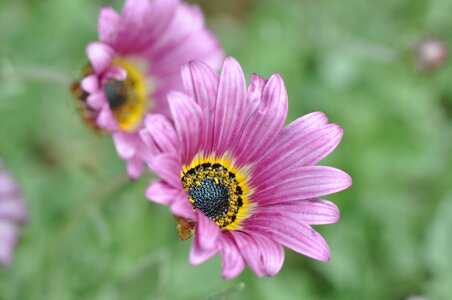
{"type": "Point", "coordinates": [215, 191]}
{"type": "Point", "coordinates": [128, 98]}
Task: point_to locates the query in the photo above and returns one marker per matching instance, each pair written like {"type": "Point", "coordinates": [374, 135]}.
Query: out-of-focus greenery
{"type": "Point", "coordinates": [93, 235]}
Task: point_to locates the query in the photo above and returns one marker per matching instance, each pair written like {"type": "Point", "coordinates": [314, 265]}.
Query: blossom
{"type": "Point", "coordinates": [134, 65]}
{"type": "Point", "coordinates": [12, 214]}
{"type": "Point", "coordinates": [247, 184]}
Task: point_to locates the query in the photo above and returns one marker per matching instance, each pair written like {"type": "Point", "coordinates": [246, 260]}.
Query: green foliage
{"type": "Point", "coordinates": [93, 235]}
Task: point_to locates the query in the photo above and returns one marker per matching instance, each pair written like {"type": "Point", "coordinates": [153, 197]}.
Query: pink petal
{"type": "Point", "coordinates": [198, 255]}
{"type": "Point", "coordinates": [264, 256]}
{"type": "Point", "coordinates": [106, 119]}
{"type": "Point", "coordinates": [188, 122]}
{"type": "Point", "coordinates": [182, 207]}
{"type": "Point", "coordinates": [125, 144]}
{"type": "Point", "coordinates": [13, 209]}
{"type": "Point", "coordinates": [230, 106]}
{"type": "Point", "coordinates": [134, 167]}
{"type": "Point", "coordinates": [96, 101]}
{"type": "Point", "coordinates": [162, 193]}
{"type": "Point", "coordinates": [290, 232]}
{"type": "Point", "coordinates": [142, 22]}
{"type": "Point", "coordinates": [90, 84]}
{"type": "Point", "coordinates": [8, 239]}
{"type": "Point", "coordinates": [100, 56]}
{"type": "Point", "coordinates": [167, 167]}
{"type": "Point", "coordinates": [305, 123]}
{"type": "Point", "coordinates": [207, 231]}
{"type": "Point", "coordinates": [201, 83]}
{"type": "Point", "coordinates": [303, 148]}
{"type": "Point", "coordinates": [265, 123]}
{"type": "Point", "coordinates": [255, 89]}
{"type": "Point", "coordinates": [311, 211]}
{"type": "Point", "coordinates": [302, 183]}
{"type": "Point", "coordinates": [162, 133]}
{"type": "Point", "coordinates": [233, 262]}
{"type": "Point", "coordinates": [108, 24]}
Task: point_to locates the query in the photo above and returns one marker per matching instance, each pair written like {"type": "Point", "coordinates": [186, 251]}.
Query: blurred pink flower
{"type": "Point", "coordinates": [12, 214]}
{"type": "Point", "coordinates": [229, 167]}
{"type": "Point", "coordinates": [136, 63]}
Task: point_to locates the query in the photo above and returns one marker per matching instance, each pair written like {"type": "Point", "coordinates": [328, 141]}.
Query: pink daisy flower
{"type": "Point", "coordinates": [248, 185]}
{"type": "Point", "coordinates": [135, 63]}
{"type": "Point", "coordinates": [12, 214]}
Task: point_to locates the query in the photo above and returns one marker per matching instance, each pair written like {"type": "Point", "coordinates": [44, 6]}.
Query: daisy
{"type": "Point", "coordinates": [12, 214]}
{"type": "Point", "coordinates": [135, 63]}
{"type": "Point", "coordinates": [247, 184]}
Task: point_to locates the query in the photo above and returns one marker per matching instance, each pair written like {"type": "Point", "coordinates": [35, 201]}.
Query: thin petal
{"type": "Point", "coordinates": [167, 167]}
{"type": "Point", "coordinates": [290, 232]}
{"type": "Point", "coordinates": [162, 133]}
{"type": "Point", "coordinates": [254, 94]}
{"type": "Point", "coordinates": [90, 84]}
{"type": "Point", "coordinates": [304, 148]}
{"type": "Point", "coordinates": [233, 262]}
{"type": "Point", "coordinates": [100, 56]}
{"type": "Point", "coordinates": [207, 231]}
{"type": "Point", "coordinates": [201, 83]}
{"type": "Point", "coordinates": [311, 211]}
{"type": "Point", "coordinates": [106, 119]}
{"type": "Point", "coordinates": [265, 123]}
{"type": "Point", "coordinates": [188, 122]}
{"type": "Point", "coordinates": [182, 207]}
{"type": "Point", "coordinates": [134, 167]}
{"type": "Point", "coordinates": [13, 209]}
{"type": "Point", "coordinates": [162, 193]}
{"type": "Point", "coordinates": [302, 183]}
{"type": "Point", "coordinates": [264, 256]}
{"type": "Point", "coordinates": [198, 255]}
{"type": "Point", "coordinates": [230, 106]}
{"type": "Point", "coordinates": [124, 144]}
{"type": "Point", "coordinates": [108, 23]}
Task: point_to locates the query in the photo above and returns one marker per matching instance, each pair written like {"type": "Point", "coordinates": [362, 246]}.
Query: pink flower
{"type": "Point", "coordinates": [12, 214]}
{"type": "Point", "coordinates": [136, 63]}
{"type": "Point", "coordinates": [249, 185]}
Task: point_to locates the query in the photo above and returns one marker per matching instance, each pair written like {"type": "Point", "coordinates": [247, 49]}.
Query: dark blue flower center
{"type": "Point", "coordinates": [214, 190]}
{"type": "Point", "coordinates": [116, 93]}
{"type": "Point", "coordinates": [211, 198]}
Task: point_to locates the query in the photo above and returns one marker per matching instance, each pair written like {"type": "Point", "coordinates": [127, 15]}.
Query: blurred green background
{"type": "Point", "coordinates": [93, 235]}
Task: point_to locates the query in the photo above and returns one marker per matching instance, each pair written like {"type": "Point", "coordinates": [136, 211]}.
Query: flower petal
{"type": "Point", "coordinates": [233, 262]}
{"type": "Point", "coordinates": [90, 84]}
{"type": "Point", "coordinates": [167, 167]}
{"type": "Point", "coordinates": [108, 23]}
{"type": "Point", "coordinates": [303, 148]}
{"type": "Point", "coordinates": [254, 94]}
{"type": "Point", "coordinates": [188, 122]}
{"type": "Point", "coordinates": [264, 256]}
{"type": "Point", "coordinates": [13, 209]}
{"type": "Point", "coordinates": [198, 255]}
{"type": "Point", "coordinates": [201, 83]}
{"type": "Point", "coordinates": [162, 134]}
{"type": "Point", "coordinates": [100, 56]}
{"type": "Point", "coordinates": [302, 183]}
{"type": "Point", "coordinates": [207, 231]}
{"type": "Point", "coordinates": [124, 144]}
{"type": "Point", "coordinates": [311, 211]}
{"type": "Point", "coordinates": [181, 207]}
{"type": "Point", "coordinates": [264, 125]}
{"type": "Point", "coordinates": [134, 167]}
{"type": "Point", "coordinates": [230, 106]}
{"type": "Point", "coordinates": [8, 239]}
{"type": "Point", "coordinates": [162, 193]}
{"type": "Point", "coordinates": [290, 232]}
